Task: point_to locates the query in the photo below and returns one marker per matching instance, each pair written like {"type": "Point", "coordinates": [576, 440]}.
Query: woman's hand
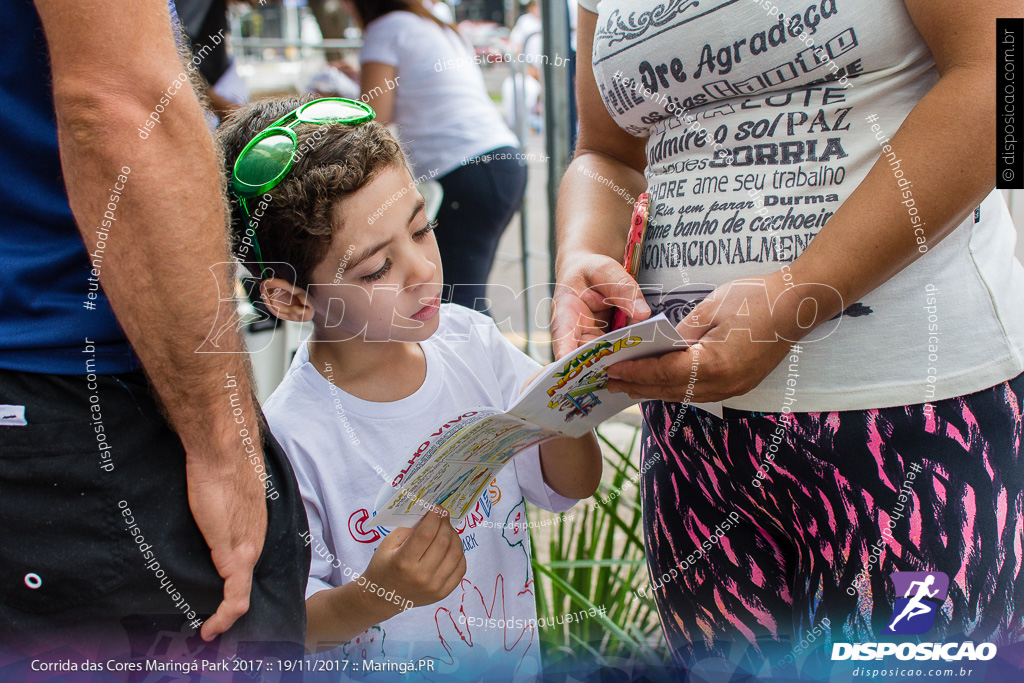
{"type": "Point", "coordinates": [738, 335]}
{"type": "Point", "coordinates": [595, 209]}
{"type": "Point", "coordinates": [589, 289]}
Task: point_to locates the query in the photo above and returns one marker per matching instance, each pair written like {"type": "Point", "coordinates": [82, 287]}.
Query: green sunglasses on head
{"type": "Point", "coordinates": [266, 160]}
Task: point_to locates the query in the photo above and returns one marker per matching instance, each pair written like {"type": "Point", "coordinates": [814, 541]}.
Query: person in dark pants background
{"type": "Point", "coordinates": [147, 512]}
{"type": "Point", "coordinates": [480, 199]}
{"type": "Point", "coordinates": [418, 73]}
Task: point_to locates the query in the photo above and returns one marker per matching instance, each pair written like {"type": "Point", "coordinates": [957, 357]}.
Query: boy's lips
{"type": "Point", "coordinates": [428, 311]}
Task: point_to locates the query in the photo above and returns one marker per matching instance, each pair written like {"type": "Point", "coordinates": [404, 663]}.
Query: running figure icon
{"type": "Point", "coordinates": [918, 598]}
{"type": "Point", "coordinates": [916, 606]}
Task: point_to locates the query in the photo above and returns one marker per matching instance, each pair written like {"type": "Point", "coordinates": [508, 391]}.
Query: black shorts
{"type": "Point", "coordinates": [73, 570]}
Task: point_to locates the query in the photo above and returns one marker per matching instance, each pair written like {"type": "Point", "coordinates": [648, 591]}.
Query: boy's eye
{"type": "Point", "coordinates": [379, 274]}
{"type": "Point", "coordinates": [431, 225]}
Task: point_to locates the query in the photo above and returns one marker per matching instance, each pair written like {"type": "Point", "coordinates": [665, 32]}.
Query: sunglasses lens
{"type": "Point", "coordinates": [263, 164]}
{"type": "Point", "coordinates": [340, 110]}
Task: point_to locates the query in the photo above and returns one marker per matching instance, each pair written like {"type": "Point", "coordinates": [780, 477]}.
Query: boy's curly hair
{"type": "Point", "coordinates": [334, 161]}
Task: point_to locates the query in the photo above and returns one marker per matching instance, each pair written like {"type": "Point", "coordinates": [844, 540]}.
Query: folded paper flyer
{"type": "Point", "coordinates": [452, 466]}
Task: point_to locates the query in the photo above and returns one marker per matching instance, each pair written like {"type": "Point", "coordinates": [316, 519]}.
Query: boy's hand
{"type": "Point", "coordinates": [423, 564]}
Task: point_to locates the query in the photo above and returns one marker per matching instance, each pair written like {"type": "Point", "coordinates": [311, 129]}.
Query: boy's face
{"type": "Point", "coordinates": [386, 273]}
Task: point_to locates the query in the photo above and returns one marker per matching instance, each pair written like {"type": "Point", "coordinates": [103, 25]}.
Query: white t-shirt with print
{"type": "Point", "coordinates": [344, 448]}
{"type": "Point", "coordinates": [442, 109]}
{"type": "Point", "coordinates": [789, 97]}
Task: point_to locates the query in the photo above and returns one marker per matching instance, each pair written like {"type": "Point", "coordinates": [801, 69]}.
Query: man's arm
{"type": "Point", "coordinates": [112, 62]}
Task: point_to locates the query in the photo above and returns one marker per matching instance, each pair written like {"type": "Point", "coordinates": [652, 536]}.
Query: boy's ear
{"type": "Point", "coordinates": [285, 300]}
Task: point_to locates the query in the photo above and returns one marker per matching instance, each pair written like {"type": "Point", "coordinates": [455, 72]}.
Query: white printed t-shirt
{"type": "Point", "coordinates": [789, 95]}
{"type": "Point", "coordinates": [442, 109]}
{"type": "Point", "coordinates": [344, 448]}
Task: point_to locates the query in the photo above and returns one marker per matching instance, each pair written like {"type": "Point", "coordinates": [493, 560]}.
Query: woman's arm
{"type": "Point", "coordinates": [592, 219]}
{"type": "Point", "coordinates": [378, 82]}
{"type": "Point", "coordinates": [947, 149]}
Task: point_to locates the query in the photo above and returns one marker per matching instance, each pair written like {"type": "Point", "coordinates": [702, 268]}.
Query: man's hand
{"type": "Point", "coordinates": [589, 289]}
{"type": "Point", "coordinates": [228, 502]}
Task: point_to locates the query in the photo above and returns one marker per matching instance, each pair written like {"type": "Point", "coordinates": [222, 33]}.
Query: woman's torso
{"type": "Point", "coordinates": [801, 105]}
{"type": "Point", "coordinates": [442, 109]}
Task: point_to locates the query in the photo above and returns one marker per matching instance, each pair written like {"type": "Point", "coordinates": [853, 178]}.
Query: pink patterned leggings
{"type": "Point", "coordinates": [780, 526]}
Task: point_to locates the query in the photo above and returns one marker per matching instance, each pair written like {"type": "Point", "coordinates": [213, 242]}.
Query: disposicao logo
{"type": "Point", "coordinates": [919, 595]}
{"type": "Point", "coordinates": [923, 593]}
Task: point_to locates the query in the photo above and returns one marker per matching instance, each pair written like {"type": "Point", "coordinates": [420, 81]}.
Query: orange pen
{"type": "Point", "coordinates": [634, 245]}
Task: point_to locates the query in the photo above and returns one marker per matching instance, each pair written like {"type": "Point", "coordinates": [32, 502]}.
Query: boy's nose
{"type": "Point", "coordinates": [424, 271]}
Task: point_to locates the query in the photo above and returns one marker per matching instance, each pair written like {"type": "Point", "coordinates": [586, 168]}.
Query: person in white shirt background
{"type": "Point", "coordinates": [526, 39]}
{"type": "Point", "coordinates": [526, 25]}
{"type": "Point", "coordinates": [421, 76]}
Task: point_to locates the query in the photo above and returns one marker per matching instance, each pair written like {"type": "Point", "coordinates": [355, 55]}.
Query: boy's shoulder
{"type": "Point", "coordinates": [293, 394]}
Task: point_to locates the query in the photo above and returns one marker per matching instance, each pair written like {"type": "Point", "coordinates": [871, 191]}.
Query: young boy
{"type": "Point", "coordinates": [347, 245]}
